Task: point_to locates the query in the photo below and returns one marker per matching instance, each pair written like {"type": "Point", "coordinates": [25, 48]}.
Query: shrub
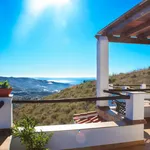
{"type": "Point", "coordinates": [54, 116]}
{"type": "Point", "coordinates": [5, 85]}
{"type": "Point", "coordinates": [112, 80]}
{"type": "Point", "coordinates": [133, 76]}
{"type": "Point", "coordinates": [28, 136]}
{"type": "Point", "coordinates": [148, 72]}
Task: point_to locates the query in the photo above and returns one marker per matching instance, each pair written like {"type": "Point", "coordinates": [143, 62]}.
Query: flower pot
{"type": "Point", "coordinates": [5, 92]}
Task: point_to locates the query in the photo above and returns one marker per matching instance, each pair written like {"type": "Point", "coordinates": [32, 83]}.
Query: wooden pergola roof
{"type": "Point", "coordinates": [131, 27]}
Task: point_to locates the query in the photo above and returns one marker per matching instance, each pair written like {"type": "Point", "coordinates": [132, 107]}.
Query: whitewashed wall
{"type": "Point", "coordinates": [147, 111]}
{"type": "Point", "coordinates": [87, 135]}
{"type": "Point", "coordinates": [6, 117]}
{"type": "Point", "coordinates": [147, 106]}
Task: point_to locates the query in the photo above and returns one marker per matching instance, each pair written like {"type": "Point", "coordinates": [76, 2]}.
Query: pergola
{"type": "Point", "coordinates": [115, 132]}
{"type": "Point", "coordinates": [131, 27]}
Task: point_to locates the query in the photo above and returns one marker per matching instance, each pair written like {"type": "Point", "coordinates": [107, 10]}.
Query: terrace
{"type": "Point", "coordinates": [113, 130]}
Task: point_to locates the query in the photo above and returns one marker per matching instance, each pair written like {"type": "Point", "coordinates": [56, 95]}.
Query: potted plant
{"type": "Point", "coordinates": [5, 89]}
{"type": "Point", "coordinates": [25, 130]}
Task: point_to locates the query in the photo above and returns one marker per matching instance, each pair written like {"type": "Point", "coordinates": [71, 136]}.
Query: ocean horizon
{"type": "Point", "coordinates": [68, 80]}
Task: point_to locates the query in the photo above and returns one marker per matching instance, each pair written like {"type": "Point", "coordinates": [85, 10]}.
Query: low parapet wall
{"type": "Point", "coordinates": [88, 135]}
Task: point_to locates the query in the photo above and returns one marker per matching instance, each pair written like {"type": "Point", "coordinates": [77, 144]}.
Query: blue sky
{"type": "Point", "coordinates": [55, 38]}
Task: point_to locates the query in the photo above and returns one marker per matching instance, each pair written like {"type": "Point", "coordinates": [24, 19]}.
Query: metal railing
{"type": "Point", "coordinates": [121, 106]}
{"type": "Point", "coordinates": [112, 92]}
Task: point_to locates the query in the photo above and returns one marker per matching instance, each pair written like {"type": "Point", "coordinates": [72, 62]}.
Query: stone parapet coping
{"type": "Point", "coordinates": [69, 127]}
{"type": "Point", "coordinates": [10, 96]}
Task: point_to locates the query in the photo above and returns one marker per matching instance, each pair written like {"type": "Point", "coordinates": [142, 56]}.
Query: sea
{"type": "Point", "coordinates": [72, 81]}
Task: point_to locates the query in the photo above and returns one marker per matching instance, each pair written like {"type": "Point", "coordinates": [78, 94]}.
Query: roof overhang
{"type": "Point", "coordinates": [131, 27]}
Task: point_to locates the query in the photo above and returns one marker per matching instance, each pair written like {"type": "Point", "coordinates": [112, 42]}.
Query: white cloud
{"type": "Point", "coordinates": [33, 9]}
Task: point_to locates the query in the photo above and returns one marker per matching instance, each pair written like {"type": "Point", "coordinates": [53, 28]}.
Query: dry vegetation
{"type": "Point", "coordinates": [62, 113]}
{"type": "Point", "coordinates": [59, 113]}
{"type": "Point", "coordinates": [134, 77]}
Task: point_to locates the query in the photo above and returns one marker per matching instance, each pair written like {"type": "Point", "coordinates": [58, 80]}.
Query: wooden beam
{"type": "Point", "coordinates": [136, 11]}
{"type": "Point", "coordinates": [137, 29]}
{"type": "Point", "coordinates": [129, 40]}
{"type": "Point", "coordinates": [134, 122]}
{"type": "Point", "coordinates": [144, 35]}
{"type": "Point", "coordinates": [73, 100]}
{"type": "Point", "coordinates": [123, 90]}
{"type": "Point", "coordinates": [111, 92]}
{"type": "Point", "coordinates": [130, 85]}
{"type": "Point", "coordinates": [135, 17]}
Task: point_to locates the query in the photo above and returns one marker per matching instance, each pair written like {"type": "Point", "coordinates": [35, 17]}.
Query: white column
{"type": "Point", "coordinates": [102, 69]}
{"type": "Point", "coordinates": [135, 106]}
{"type": "Point", "coordinates": [6, 113]}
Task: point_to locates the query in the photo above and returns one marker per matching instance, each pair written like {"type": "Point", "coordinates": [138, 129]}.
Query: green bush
{"type": "Point", "coordinates": [148, 72]}
{"type": "Point", "coordinates": [112, 80]}
{"type": "Point", "coordinates": [133, 76]}
{"type": "Point", "coordinates": [25, 130]}
{"type": "Point", "coordinates": [5, 85]}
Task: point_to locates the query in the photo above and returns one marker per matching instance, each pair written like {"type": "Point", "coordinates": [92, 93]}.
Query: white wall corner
{"type": "Point", "coordinates": [135, 106]}
{"type": "Point", "coordinates": [6, 113]}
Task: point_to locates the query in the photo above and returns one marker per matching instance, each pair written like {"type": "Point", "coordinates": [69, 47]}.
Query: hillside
{"type": "Point", "coordinates": [62, 113]}
{"type": "Point", "coordinates": [30, 88]}
{"type": "Point", "coordinates": [134, 77]}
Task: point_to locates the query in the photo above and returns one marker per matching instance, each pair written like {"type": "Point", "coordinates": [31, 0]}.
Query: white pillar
{"type": "Point", "coordinates": [102, 69]}
{"type": "Point", "coordinates": [6, 113]}
{"type": "Point", "coordinates": [143, 86]}
{"type": "Point", "coordinates": [135, 106]}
